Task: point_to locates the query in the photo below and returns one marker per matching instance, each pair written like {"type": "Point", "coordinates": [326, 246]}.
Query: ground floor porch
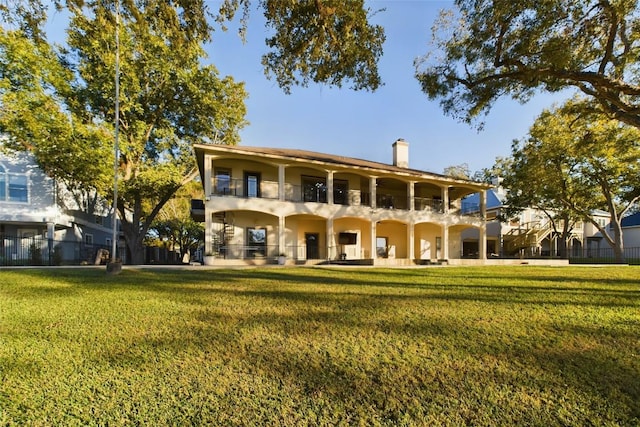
{"type": "Point", "coordinates": [255, 238]}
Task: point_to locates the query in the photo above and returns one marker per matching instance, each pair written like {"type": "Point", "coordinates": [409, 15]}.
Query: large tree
{"type": "Point", "coordinates": [174, 223]}
{"type": "Point", "coordinates": [59, 102]}
{"type": "Point", "coordinates": [575, 162]}
{"type": "Point", "coordinates": [168, 101]}
{"type": "Point", "coordinates": [490, 48]}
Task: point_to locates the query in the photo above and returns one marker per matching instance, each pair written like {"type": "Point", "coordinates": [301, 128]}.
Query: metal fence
{"type": "Point", "coordinates": [604, 256]}
{"type": "Point", "coordinates": [22, 251]}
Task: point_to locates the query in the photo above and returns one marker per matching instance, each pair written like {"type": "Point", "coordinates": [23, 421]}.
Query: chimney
{"type": "Point", "coordinates": [401, 153]}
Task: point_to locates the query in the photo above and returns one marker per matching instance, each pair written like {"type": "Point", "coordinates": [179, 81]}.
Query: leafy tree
{"type": "Point", "coordinates": [322, 41]}
{"type": "Point", "coordinates": [536, 177]}
{"type": "Point", "coordinates": [461, 171]}
{"type": "Point", "coordinates": [59, 102]}
{"type": "Point", "coordinates": [168, 101]}
{"type": "Point", "coordinates": [492, 48]}
{"type": "Point", "coordinates": [575, 162]}
{"type": "Point", "coordinates": [174, 222]}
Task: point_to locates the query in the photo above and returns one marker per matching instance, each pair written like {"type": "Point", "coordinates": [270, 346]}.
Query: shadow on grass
{"type": "Point", "coordinates": [345, 336]}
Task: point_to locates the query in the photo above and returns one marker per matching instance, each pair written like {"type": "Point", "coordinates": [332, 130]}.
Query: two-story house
{"type": "Point", "coordinates": [35, 226]}
{"type": "Point", "coordinates": [530, 233]}
{"type": "Point", "coordinates": [314, 207]}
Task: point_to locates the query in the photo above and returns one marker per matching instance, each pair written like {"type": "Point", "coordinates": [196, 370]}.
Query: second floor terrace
{"type": "Point", "coordinates": [245, 173]}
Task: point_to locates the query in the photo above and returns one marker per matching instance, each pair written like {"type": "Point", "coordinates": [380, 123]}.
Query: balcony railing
{"type": "Point", "coordinates": [319, 194]}
{"type": "Point", "coordinates": [426, 204]}
{"type": "Point", "coordinates": [237, 188]}
{"type": "Point", "coordinates": [269, 252]}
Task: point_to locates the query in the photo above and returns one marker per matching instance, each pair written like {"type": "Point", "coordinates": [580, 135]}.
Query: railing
{"type": "Point", "coordinates": [391, 201]}
{"type": "Point", "coordinates": [469, 209]}
{"type": "Point", "coordinates": [425, 204]}
{"type": "Point", "coordinates": [19, 251]}
{"type": "Point", "coordinates": [319, 194]}
{"type": "Point", "coordinates": [603, 256]}
{"type": "Point", "coordinates": [269, 252]}
{"type": "Point", "coordinates": [236, 188]}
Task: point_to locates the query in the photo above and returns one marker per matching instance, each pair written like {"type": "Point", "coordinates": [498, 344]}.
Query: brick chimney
{"type": "Point", "coordinates": [401, 153]}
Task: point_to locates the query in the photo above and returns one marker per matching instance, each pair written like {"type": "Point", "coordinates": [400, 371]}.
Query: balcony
{"type": "Point", "coordinates": [318, 192]}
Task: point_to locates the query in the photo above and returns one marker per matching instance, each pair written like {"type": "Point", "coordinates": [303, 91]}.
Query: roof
{"type": "Point", "coordinates": [493, 199]}
{"type": "Point", "coordinates": [324, 158]}
{"type": "Point", "coordinates": [631, 220]}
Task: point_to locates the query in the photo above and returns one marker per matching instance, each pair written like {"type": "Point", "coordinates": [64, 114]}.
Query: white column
{"type": "Point", "coordinates": [483, 228]}
{"type": "Point", "coordinates": [281, 188]}
{"type": "Point", "coordinates": [208, 172]}
{"type": "Point", "coordinates": [411, 195]}
{"type": "Point", "coordinates": [445, 241]}
{"type": "Point", "coordinates": [330, 187]}
{"type": "Point", "coordinates": [483, 241]}
{"type": "Point", "coordinates": [445, 200]}
{"type": "Point", "coordinates": [374, 253]}
{"type": "Point", "coordinates": [282, 237]}
{"type": "Point", "coordinates": [411, 240]}
{"type": "Point", "coordinates": [208, 238]}
{"type": "Point", "coordinates": [372, 191]}
{"type": "Point", "coordinates": [331, 241]}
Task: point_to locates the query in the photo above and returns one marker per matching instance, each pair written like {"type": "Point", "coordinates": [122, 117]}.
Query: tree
{"type": "Point", "coordinates": [536, 178]}
{"type": "Point", "coordinates": [493, 48]}
{"type": "Point", "coordinates": [63, 105]}
{"type": "Point", "coordinates": [460, 171]}
{"type": "Point", "coordinates": [575, 162]}
{"type": "Point", "coordinates": [168, 101]}
{"type": "Point", "coordinates": [174, 222]}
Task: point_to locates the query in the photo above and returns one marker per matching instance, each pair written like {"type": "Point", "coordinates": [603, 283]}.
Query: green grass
{"type": "Point", "coordinates": [301, 346]}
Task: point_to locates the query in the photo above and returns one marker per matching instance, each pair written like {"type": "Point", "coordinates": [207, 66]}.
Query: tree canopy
{"type": "Point", "coordinates": [575, 162]}
{"type": "Point", "coordinates": [491, 48]}
{"type": "Point", "coordinates": [59, 102]}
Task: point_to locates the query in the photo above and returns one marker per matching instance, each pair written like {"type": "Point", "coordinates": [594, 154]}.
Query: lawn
{"type": "Point", "coordinates": [537, 346]}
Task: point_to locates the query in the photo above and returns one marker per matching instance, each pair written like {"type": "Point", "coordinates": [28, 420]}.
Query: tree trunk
{"type": "Point", "coordinates": [618, 247]}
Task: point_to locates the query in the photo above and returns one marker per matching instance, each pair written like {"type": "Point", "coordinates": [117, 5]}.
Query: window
{"type": "Point", "coordinates": [314, 189]}
{"type": "Point", "coordinates": [340, 192]}
{"type": "Point", "coordinates": [381, 247]}
{"type": "Point", "coordinates": [3, 184]}
{"type": "Point", "coordinates": [88, 239]}
{"type": "Point", "coordinates": [13, 187]}
{"type": "Point", "coordinates": [256, 242]}
{"type": "Point", "coordinates": [251, 184]}
{"type": "Point", "coordinates": [222, 182]}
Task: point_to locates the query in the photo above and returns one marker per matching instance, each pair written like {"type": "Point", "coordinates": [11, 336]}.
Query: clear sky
{"type": "Point", "coordinates": [365, 124]}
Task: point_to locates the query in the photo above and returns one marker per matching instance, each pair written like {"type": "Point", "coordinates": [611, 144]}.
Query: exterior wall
{"type": "Point", "coordinates": [631, 237]}
{"type": "Point", "coordinates": [39, 206]}
{"type": "Point", "coordinates": [305, 205]}
{"type": "Point", "coordinates": [427, 237]}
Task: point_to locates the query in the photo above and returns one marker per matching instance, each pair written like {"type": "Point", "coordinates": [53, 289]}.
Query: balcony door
{"type": "Point", "coordinates": [252, 184]}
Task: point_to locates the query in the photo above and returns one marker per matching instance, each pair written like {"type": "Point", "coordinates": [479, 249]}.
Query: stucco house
{"type": "Point", "coordinates": [35, 224]}
{"type": "Point", "coordinates": [531, 233]}
{"type": "Point", "coordinates": [313, 207]}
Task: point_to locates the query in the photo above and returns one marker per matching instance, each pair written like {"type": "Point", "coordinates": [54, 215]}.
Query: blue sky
{"type": "Point", "coordinates": [365, 124]}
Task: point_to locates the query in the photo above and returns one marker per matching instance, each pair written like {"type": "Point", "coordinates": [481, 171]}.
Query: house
{"type": "Point", "coordinates": [531, 233]}
{"type": "Point", "coordinates": [316, 208]}
{"type": "Point", "coordinates": [631, 232]}
{"type": "Point", "coordinates": [35, 227]}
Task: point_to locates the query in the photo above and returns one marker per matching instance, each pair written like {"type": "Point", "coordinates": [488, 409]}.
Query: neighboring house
{"type": "Point", "coordinates": [314, 207]}
{"type": "Point", "coordinates": [531, 233]}
{"type": "Point", "coordinates": [34, 228]}
{"type": "Point", "coordinates": [631, 230]}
